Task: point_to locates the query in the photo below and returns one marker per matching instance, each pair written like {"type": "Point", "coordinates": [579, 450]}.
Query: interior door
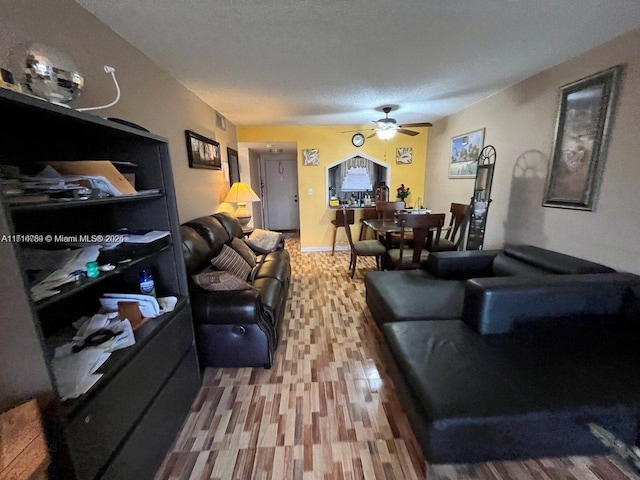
{"type": "Point", "coordinates": [281, 194]}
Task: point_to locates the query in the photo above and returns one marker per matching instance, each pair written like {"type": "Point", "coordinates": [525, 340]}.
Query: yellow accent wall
{"type": "Point", "coordinates": [316, 229]}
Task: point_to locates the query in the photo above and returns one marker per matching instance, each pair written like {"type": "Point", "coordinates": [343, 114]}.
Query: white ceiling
{"type": "Point", "coordinates": [335, 62]}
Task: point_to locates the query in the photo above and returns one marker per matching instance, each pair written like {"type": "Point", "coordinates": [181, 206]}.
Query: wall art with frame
{"type": "Point", "coordinates": [203, 152]}
{"type": "Point", "coordinates": [234, 168]}
{"type": "Point", "coordinates": [582, 134]}
{"type": "Point", "coordinates": [465, 149]}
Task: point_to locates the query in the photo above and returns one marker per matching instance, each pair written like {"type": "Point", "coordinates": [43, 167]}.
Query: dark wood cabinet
{"type": "Point", "coordinates": [123, 426]}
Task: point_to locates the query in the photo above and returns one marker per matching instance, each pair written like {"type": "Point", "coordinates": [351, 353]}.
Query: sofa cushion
{"type": "Point", "coordinates": [244, 251]}
{"type": "Point", "coordinates": [212, 231]}
{"type": "Point", "coordinates": [230, 224]}
{"type": "Point", "coordinates": [264, 241]}
{"type": "Point", "coordinates": [219, 281]}
{"type": "Point", "coordinates": [505, 266]}
{"type": "Point", "coordinates": [272, 268]}
{"type": "Point", "coordinates": [497, 305]}
{"type": "Point", "coordinates": [517, 396]}
{"type": "Point", "coordinates": [231, 261]}
{"type": "Point", "coordinates": [553, 261]}
{"type": "Point", "coordinates": [196, 251]}
{"type": "Point", "coordinates": [412, 295]}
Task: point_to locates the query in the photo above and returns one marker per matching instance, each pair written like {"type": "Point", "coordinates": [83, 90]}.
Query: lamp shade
{"type": "Point", "coordinates": [241, 192]}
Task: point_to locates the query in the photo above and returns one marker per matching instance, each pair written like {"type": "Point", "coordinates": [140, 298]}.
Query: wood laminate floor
{"type": "Point", "coordinates": [326, 409]}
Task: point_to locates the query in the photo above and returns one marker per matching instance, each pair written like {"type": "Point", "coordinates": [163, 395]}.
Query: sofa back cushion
{"type": "Point", "coordinates": [230, 224]}
{"type": "Point", "coordinates": [496, 305]}
{"type": "Point", "coordinates": [212, 231]}
{"type": "Point", "coordinates": [245, 252]}
{"type": "Point", "coordinates": [196, 251]}
{"type": "Point", "coordinates": [554, 262]}
{"type": "Point", "coordinates": [505, 266]}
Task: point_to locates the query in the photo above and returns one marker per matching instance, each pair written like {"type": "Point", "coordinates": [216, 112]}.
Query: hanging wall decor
{"type": "Point", "coordinates": [582, 131]}
{"type": "Point", "coordinates": [311, 156]}
{"type": "Point", "coordinates": [465, 149]}
{"type": "Point", "coordinates": [203, 152]}
{"type": "Point", "coordinates": [404, 155]}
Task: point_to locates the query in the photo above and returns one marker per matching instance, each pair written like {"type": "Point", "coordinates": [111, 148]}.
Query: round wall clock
{"type": "Point", "coordinates": [357, 140]}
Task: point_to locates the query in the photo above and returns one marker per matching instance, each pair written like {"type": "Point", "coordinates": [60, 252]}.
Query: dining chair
{"type": "Point", "coordinates": [387, 211]}
{"type": "Point", "coordinates": [339, 222]}
{"type": "Point", "coordinates": [457, 226]}
{"type": "Point", "coordinates": [367, 214]}
{"type": "Point", "coordinates": [362, 248]}
{"type": "Point", "coordinates": [424, 231]}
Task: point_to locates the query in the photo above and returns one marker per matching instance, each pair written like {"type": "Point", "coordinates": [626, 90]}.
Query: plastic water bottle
{"type": "Point", "coordinates": [147, 285]}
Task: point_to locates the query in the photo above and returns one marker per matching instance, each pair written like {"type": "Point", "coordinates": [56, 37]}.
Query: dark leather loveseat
{"type": "Point", "coordinates": [235, 328]}
{"type": "Point", "coordinates": [511, 353]}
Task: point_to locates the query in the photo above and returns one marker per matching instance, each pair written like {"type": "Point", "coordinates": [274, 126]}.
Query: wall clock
{"type": "Point", "coordinates": [357, 140]}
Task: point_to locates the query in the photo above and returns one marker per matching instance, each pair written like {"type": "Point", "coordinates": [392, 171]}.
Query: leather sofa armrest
{"type": "Point", "coordinates": [224, 307]}
{"type": "Point", "coordinates": [496, 305]}
{"type": "Point", "coordinates": [461, 265]}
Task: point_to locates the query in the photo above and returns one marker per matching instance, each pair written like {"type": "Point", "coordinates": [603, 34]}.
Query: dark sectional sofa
{"type": "Point", "coordinates": [236, 328]}
{"type": "Point", "coordinates": [511, 353]}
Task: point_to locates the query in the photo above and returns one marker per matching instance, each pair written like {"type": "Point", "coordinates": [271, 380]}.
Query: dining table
{"type": "Point", "coordinates": [387, 227]}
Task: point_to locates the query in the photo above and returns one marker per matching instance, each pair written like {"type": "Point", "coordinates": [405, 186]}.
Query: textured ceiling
{"type": "Point", "coordinates": [335, 62]}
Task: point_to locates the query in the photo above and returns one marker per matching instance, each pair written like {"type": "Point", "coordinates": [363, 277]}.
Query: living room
{"type": "Point", "coordinates": [518, 119]}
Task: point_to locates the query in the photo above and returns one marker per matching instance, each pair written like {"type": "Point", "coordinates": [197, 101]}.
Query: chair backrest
{"type": "Point", "coordinates": [342, 214]}
{"type": "Point", "coordinates": [421, 225]}
{"type": "Point", "coordinates": [347, 228]}
{"type": "Point", "coordinates": [386, 210]}
{"type": "Point", "coordinates": [458, 215]}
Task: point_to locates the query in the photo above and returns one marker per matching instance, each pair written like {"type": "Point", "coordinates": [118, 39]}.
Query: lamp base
{"type": "Point", "coordinates": [242, 214]}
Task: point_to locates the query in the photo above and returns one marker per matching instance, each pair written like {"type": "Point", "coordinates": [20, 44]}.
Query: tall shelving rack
{"type": "Point", "coordinates": [123, 426]}
{"type": "Point", "coordinates": [481, 199]}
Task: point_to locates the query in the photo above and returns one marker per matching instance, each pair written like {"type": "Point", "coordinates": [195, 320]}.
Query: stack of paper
{"type": "Point", "coordinates": [75, 371]}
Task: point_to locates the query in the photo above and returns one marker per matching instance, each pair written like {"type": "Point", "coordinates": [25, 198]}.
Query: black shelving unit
{"type": "Point", "coordinates": [112, 431]}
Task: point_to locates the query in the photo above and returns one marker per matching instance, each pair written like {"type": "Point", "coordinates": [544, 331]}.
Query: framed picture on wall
{"type": "Point", "coordinates": [311, 156]}
{"type": "Point", "coordinates": [582, 132]}
{"type": "Point", "coordinates": [203, 152]}
{"type": "Point", "coordinates": [465, 149]}
{"type": "Point", "coordinates": [234, 169]}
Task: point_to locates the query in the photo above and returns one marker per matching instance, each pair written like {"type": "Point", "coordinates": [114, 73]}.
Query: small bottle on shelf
{"type": "Point", "coordinates": [147, 285]}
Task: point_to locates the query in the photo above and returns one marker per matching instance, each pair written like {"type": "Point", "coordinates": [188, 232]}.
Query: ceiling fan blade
{"type": "Point", "coordinates": [359, 130]}
{"type": "Point", "coordinates": [419, 124]}
{"type": "Point", "coordinates": [408, 132]}
{"type": "Point", "coordinates": [372, 135]}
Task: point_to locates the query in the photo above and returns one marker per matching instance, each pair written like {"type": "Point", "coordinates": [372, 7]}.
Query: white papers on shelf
{"type": "Point", "coordinates": [75, 371]}
{"type": "Point", "coordinates": [71, 261]}
{"type": "Point", "coordinates": [147, 237]}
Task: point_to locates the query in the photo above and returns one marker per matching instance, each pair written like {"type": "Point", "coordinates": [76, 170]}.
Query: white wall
{"type": "Point", "coordinates": [520, 123]}
{"type": "Point", "coordinates": [150, 96]}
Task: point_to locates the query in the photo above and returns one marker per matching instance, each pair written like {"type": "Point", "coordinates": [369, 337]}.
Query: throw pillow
{"type": "Point", "coordinates": [230, 261]}
{"type": "Point", "coordinates": [244, 251]}
{"type": "Point", "coordinates": [219, 281]}
{"type": "Point", "coordinates": [264, 241]}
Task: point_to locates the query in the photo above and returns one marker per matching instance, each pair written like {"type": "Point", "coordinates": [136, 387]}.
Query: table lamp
{"type": "Point", "coordinates": [241, 193]}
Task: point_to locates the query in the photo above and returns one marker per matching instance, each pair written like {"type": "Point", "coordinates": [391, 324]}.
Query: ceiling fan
{"type": "Point", "coordinates": [387, 127]}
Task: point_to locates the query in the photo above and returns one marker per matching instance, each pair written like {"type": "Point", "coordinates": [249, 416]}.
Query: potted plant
{"type": "Point", "coordinates": [403, 192]}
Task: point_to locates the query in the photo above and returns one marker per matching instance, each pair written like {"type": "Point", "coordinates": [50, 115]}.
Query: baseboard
{"type": "Point", "coordinates": [323, 249]}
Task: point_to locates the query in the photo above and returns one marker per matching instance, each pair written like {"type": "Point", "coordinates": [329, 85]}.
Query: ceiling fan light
{"type": "Point", "coordinates": [386, 134]}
